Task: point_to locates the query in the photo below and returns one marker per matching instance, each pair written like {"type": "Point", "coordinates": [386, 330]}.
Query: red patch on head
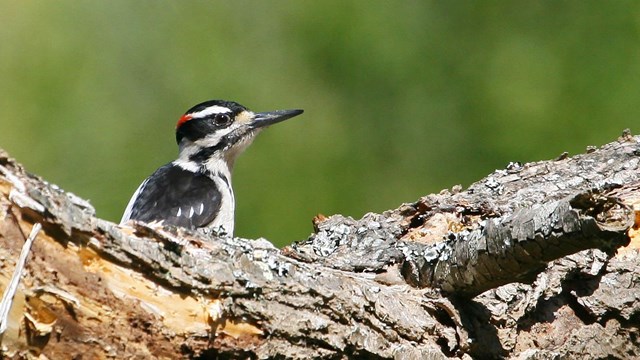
{"type": "Point", "coordinates": [183, 120]}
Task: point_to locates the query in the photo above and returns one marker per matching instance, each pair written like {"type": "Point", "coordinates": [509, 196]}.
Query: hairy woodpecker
{"type": "Point", "coordinates": [194, 191]}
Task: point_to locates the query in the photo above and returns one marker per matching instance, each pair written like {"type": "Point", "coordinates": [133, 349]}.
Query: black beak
{"type": "Point", "coordinates": [269, 118]}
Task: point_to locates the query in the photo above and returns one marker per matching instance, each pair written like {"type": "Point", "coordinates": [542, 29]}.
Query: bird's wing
{"type": "Point", "coordinates": [176, 197]}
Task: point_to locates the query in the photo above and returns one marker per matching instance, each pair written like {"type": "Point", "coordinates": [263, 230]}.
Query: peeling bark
{"type": "Point", "coordinates": [541, 242]}
{"type": "Point", "coordinates": [516, 248]}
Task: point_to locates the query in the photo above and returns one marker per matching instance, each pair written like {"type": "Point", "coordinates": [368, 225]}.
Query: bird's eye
{"type": "Point", "coordinates": [221, 119]}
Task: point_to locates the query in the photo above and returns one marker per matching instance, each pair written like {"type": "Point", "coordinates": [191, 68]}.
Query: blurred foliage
{"type": "Point", "coordinates": [401, 98]}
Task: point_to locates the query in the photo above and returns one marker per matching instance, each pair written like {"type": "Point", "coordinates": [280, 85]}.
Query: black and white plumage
{"type": "Point", "coordinates": [194, 191]}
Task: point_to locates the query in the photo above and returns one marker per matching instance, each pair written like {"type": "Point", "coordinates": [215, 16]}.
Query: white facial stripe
{"type": "Point", "coordinates": [213, 139]}
{"type": "Point", "coordinates": [215, 109]}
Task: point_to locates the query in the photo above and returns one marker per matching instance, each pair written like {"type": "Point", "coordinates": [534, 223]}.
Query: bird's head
{"type": "Point", "coordinates": [223, 129]}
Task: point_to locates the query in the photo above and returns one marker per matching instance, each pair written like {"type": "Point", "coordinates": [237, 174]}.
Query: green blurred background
{"type": "Point", "coordinates": [401, 98]}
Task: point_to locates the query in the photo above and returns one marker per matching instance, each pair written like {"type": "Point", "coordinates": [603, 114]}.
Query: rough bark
{"type": "Point", "coordinates": [402, 284]}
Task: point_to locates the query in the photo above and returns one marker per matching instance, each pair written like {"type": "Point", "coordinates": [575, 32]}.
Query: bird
{"type": "Point", "coordinates": [194, 191]}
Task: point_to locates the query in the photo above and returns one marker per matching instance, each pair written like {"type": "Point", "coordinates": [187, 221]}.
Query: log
{"type": "Point", "coordinates": [535, 261]}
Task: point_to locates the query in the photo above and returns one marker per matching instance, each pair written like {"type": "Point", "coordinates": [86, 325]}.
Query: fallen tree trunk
{"type": "Point", "coordinates": [526, 263]}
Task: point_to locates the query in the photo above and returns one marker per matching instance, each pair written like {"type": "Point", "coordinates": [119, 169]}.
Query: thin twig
{"type": "Point", "coordinates": [7, 297]}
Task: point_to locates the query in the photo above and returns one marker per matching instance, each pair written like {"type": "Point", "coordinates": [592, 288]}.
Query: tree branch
{"type": "Point", "coordinates": [517, 247]}
{"type": "Point", "coordinates": [369, 287]}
